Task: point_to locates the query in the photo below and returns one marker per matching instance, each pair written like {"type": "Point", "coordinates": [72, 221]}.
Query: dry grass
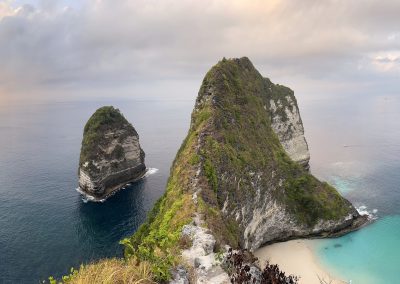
{"type": "Point", "coordinates": [113, 271]}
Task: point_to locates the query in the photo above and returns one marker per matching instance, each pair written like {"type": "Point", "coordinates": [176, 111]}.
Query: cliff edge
{"type": "Point", "coordinates": [252, 153]}
{"type": "Point", "coordinates": [239, 179]}
{"type": "Point", "coordinates": [111, 155]}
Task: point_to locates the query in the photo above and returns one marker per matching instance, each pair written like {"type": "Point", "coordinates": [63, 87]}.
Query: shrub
{"type": "Point", "coordinates": [239, 269]}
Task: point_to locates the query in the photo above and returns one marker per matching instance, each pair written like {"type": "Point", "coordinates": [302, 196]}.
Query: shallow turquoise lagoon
{"type": "Point", "coordinates": [370, 255]}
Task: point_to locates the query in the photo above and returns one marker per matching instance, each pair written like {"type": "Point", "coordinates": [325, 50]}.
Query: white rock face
{"type": "Point", "coordinates": [287, 124]}
{"type": "Point", "coordinates": [269, 221]}
{"type": "Point", "coordinates": [201, 256]}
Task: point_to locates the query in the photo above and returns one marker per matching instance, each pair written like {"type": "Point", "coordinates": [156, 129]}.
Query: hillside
{"type": "Point", "coordinates": [239, 179]}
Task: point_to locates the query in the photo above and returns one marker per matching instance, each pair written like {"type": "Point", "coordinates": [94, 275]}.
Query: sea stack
{"type": "Point", "coordinates": [242, 171]}
{"type": "Point", "coordinates": [111, 155]}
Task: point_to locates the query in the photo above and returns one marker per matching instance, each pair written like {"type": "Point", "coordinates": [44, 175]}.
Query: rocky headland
{"type": "Point", "coordinates": [240, 180]}
{"type": "Point", "coordinates": [111, 155]}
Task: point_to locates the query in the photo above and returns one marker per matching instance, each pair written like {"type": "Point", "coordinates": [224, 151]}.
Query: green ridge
{"type": "Point", "coordinates": [232, 124]}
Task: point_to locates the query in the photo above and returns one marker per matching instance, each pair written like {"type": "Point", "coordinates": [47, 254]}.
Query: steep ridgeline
{"type": "Point", "coordinates": [111, 155]}
{"type": "Point", "coordinates": [233, 181]}
{"type": "Point", "coordinates": [256, 185]}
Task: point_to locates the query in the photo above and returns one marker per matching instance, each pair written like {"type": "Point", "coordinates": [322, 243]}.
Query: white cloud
{"type": "Point", "coordinates": [130, 42]}
{"type": "Point", "coordinates": [387, 61]}
{"type": "Point", "coordinates": [6, 9]}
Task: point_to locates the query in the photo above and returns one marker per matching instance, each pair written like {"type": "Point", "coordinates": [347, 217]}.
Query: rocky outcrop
{"type": "Point", "coordinates": [111, 155]}
{"type": "Point", "coordinates": [239, 180]}
{"type": "Point", "coordinates": [286, 123]}
{"type": "Point", "coordinates": [254, 174]}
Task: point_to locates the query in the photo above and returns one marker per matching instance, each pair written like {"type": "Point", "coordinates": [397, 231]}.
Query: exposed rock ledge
{"type": "Point", "coordinates": [111, 155]}
{"type": "Point", "coordinates": [286, 123]}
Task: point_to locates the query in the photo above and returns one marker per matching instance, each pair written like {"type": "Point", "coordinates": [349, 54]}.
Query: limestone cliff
{"type": "Point", "coordinates": [286, 123]}
{"type": "Point", "coordinates": [252, 132]}
{"type": "Point", "coordinates": [111, 155]}
{"type": "Point", "coordinates": [240, 179]}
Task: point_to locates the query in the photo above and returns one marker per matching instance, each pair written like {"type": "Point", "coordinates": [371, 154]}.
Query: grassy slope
{"type": "Point", "coordinates": [111, 271]}
{"type": "Point", "coordinates": [235, 136]}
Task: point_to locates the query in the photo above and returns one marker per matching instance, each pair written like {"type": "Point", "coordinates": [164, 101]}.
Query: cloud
{"type": "Point", "coordinates": [387, 62]}
{"type": "Point", "coordinates": [125, 43]}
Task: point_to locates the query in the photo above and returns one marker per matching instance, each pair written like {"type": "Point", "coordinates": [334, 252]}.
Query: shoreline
{"type": "Point", "coordinates": [115, 189]}
{"type": "Point", "coordinates": [297, 257]}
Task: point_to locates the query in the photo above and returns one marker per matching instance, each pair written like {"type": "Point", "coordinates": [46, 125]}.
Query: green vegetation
{"type": "Point", "coordinates": [109, 271]}
{"type": "Point", "coordinates": [231, 144]}
{"type": "Point", "coordinates": [158, 241]}
{"type": "Point", "coordinates": [103, 119]}
{"type": "Point", "coordinates": [240, 140]}
{"type": "Point", "coordinates": [235, 136]}
{"type": "Point", "coordinates": [279, 92]}
{"type": "Point", "coordinates": [211, 174]}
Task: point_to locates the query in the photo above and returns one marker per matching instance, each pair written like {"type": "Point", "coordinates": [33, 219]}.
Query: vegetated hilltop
{"type": "Point", "coordinates": [111, 155]}
{"type": "Point", "coordinates": [239, 179]}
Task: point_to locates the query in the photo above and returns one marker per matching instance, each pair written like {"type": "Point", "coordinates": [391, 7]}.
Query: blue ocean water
{"type": "Point", "coordinates": [355, 145]}
{"type": "Point", "coordinates": [45, 228]}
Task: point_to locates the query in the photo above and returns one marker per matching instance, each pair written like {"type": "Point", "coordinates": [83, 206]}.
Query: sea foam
{"type": "Point", "coordinates": [362, 210]}
{"type": "Point", "coordinates": [86, 197]}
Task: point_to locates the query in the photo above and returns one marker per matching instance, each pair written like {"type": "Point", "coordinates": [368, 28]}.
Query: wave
{"type": "Point", "coordinates": [88, 198]}
{"type": "Point", "coordinates": [150, 171]}
{"type": "Point", "coordinates": [362, 210]}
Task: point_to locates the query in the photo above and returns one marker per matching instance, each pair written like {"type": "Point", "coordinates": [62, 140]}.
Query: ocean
{"type": "Point", "coordinates": [355, 145]}
{"type": "Point", "coordinates": [46, 228]}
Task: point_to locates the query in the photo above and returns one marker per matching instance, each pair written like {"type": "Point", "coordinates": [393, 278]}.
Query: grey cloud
{"type": "Point", "coordinates": [134, 42]}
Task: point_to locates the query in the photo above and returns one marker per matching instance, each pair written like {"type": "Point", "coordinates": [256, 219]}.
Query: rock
{"type": "Point", "coordinates": [251, 142]}
{"type": "Point", "coordinates": [180, 276]}
{"type": "Point", "coordinates": [241, 178]}
{"type": "Point", "coordinates": [202, 242]}
{"type": "Point", "coordinates": [287, 124]}
{"type": "Point", "coordinates": [201, 256]}
{"type": "Point", "coordinates": [111, 155]}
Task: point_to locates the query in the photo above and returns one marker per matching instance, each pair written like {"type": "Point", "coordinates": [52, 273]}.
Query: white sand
{"type": "Point", "coordinates": [297, 258]}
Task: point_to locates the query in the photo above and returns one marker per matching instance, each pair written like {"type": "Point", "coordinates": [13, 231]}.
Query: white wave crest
{"type": "Point", "coordinates": [86, 197]}
{"type": "Point", "coordinates": [362, 210]}
{"type": "Point", "coordinates": [150, 171]}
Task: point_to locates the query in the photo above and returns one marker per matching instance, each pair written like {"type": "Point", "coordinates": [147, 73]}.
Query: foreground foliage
{"type": "Point", "coordinates": [241, 273]}
{"type": "Point", "coordinates": [110, 271]}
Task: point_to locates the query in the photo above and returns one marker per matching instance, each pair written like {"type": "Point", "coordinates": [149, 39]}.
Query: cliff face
{"type": "Point", "coordinates": [240, 179]}
{"type": "Point", "coordinates": [250, 150]}
{"type": "Point", "coordinates": [111, 155]}
{"type": "Point", "coordinates": [286, 123]}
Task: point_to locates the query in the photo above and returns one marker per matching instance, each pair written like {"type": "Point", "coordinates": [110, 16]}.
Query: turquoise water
{"type": "Point", "coordinates": [368, 256]}
{"type": "Point", "coordinates": [355, 145]}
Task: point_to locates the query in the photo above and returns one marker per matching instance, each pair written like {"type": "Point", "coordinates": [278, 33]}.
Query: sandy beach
{"type": "Point", "coordinates": [296, 257]}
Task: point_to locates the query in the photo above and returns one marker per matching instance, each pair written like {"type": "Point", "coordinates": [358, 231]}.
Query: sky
{"type": "Point", "coordinates": [145, 48]}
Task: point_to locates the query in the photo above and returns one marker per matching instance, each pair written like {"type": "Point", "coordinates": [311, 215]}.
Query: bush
{"type": "Point", "coordinates": [239, 269]}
